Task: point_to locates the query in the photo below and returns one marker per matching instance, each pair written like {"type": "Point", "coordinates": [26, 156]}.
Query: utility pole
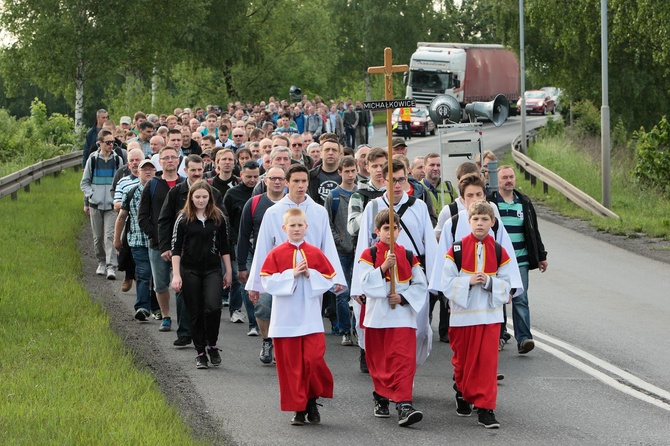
{"type": "Point", "coordinates": [605, 109]}
{"type": "Point", "coordinates": [522, 68]}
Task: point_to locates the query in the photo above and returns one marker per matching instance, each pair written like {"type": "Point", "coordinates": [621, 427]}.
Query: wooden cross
{"type": "Point", "coordinates": [387, 70]}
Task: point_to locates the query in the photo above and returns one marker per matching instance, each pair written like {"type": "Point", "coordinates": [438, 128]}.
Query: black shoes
{"type": "Point", "coordinates": [201, 362]}
{"type": "Point", "coordinates": [298, 419]}
{"type": "Point", "coordinates": [407, 415]}
{"type": "Point", "coordinates": [214, 356]}
{"type": "Point", "coordinates": [363, 364]}
{"type": "Point", "coordinates": [381, 406]}
{"type": "Point", "coordinates": [487, 419]}
{"type": "Point", "coordinates": [181, 341]}
{"type": "Point", "coordinates": [313, 415]}
{"type": "Point", "coordinates": [525, 346]}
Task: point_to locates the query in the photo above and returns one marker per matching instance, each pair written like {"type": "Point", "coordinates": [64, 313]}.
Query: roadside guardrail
{"type": "Point", "coordinates": [10, 184]}
{"type": "Point", "coordinates": [535, 171]}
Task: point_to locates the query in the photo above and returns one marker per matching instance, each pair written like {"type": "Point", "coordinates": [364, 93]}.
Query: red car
{"type": "Point", "coordinates": [538, 101]}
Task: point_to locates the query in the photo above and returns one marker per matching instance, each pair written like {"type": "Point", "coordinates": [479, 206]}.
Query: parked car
{"type": "Point", "coordinates": [538, 101]}
{"type": "Point", "coordinates": [421, 123]}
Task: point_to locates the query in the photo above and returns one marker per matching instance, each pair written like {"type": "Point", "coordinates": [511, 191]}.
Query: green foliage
{"type": "Point", "coordinates": [28, 140]}
{"type": "Point", "coordinates": [652, 169]}
{"type": "Point", "coordinates": [587, 118]}
{"type": "Point", "coordinates": [554, 127]}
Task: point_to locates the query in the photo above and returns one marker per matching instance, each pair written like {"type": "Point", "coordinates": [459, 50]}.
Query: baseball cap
{"type": "Point", "coordinates": [396, 142]}
{"type": "Point", "coordinates": [146, 161]}
{"type": "Point", "coordinates": [125, 120]}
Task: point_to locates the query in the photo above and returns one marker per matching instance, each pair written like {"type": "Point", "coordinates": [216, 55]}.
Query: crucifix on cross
{"type": "Point", "coordinates": [387, 70]}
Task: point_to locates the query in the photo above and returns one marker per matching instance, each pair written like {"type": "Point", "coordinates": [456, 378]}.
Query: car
{"type": "Point", "coordinates": [538, 101]}
{"type": "Point", "coordinates": [555, 94]}
{"type": "Point", "coordinates": [421, 123]}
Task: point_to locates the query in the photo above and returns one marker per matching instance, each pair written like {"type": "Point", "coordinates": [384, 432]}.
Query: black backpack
{"type": "Point", "coordinates": [458, 253]}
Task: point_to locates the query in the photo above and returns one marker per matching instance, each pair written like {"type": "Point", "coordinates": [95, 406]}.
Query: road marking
{"type": "Point", "coordinates": [629, 383]}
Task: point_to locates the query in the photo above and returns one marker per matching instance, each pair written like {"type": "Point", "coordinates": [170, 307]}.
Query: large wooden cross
{"type": "Point", "coordinates": [387, 70]}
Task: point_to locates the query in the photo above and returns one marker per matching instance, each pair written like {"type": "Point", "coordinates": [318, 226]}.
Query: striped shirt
{"type": "Point", "coordinates": [123, 186]}
{"type": "Point", "coordinates": [131, 203]}
{"type": "Point", "coordinates": [512, 217]}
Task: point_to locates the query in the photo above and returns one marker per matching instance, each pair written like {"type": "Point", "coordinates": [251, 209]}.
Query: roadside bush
{"type": "Point", "coordinates": [29, 140]}
{"type": "Point", "coordinates": [652, 169]}
{"type": "Point", "coordinates": [587, 118]}
{"type": "Point", "coordinates": [554, 127]}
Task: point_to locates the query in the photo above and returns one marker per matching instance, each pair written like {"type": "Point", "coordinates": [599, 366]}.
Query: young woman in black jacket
{"type": "Point", "coordinates": [199, 242]}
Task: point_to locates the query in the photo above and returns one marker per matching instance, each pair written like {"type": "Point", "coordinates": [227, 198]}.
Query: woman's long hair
{"type": "Point", "coordinates": [211, 210]}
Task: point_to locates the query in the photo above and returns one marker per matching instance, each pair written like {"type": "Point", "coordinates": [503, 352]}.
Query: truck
{"type": "Point", "coordinates": [468, 72]}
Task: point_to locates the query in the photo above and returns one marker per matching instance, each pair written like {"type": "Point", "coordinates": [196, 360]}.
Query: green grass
{"type": "Point", "coordinates": [640, 211]}
{"type": "Point", "coordinates": [65, 377]}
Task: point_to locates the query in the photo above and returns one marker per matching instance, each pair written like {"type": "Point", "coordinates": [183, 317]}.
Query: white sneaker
{"type": "Point", "coordinates": [101, 270]}
{"type": "Point", "coordinates": [253, 332]}
{"type": "Point", "coordinates": [111, 274]}
{"type": "Point", "coordinates": [237, 317]}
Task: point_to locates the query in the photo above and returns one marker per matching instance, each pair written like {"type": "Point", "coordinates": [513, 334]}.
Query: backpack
{"type": "Point", "coordinates": [254, 204]}
{"type": "Point", "coordinates": [118, 159]}
{"type": "Point", "coordinates": [458, 253]}
{"type": "Point", "coordinates": [336, 201]}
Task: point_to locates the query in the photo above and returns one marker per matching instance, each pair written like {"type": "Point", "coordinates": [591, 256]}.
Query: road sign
{"type": "Point", "coordinates": [385, 105]}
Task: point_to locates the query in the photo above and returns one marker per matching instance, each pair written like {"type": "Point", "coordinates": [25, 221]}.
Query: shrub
{"type": "Point", "coordinates": [587, 118]}
{"type": "Point", "coordinates": [554, 127]}
{"type": "Point", "coordinates": [652, 169]}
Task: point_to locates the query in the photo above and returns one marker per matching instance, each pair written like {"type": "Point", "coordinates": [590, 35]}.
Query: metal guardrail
{"type": "Point", "coordinates": [535, 171]}
{"type": "Point", "coordinates": [10, 184]}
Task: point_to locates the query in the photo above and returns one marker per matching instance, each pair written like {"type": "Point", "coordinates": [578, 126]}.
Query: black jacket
{"type": "Point", "coordinates": [534, 245]}
{"type": "Point", "coordinates": [199, 244]}
{"type": "Point", "coordinates": [151, 203]}
{"type": "Point", "coordinates": [234, 202]}
{"type": "Point", "coordinates": [174, 203]}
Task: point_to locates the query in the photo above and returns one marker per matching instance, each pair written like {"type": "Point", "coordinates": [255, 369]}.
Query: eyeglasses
{"type": "Point", "coordinates": [168, 158]}
{"type": "Point", "coordinates": [296, 145]}
{"type": "Point", "coordinates": [109, 143]}
{"type": "Point", "coordinates": [400, 180]}
{"type": "Point", "coordinates": [237, 136]}
{"type": "Point", "coordinates": [273, 179]}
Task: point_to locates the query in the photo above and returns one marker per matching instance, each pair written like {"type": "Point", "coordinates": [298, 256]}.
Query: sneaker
{"type": "Point", "coordinates": [463, 408]}
{"type": "Point", "coordinates": [487, 419]}
{"type": "Point", "coordinates": [224, 302]}
{"type": "Point", "coordinates": [381, 406]}
{"type": "Point", "coordinates": [335, 328]}
{"type": "Point", "coordinates": [182, 341]}
{"type": "Point", "coordinates": [298, 419]}
{"type": "Point", "coordinates": [253, 331]}
{"type": "Point", "coordinates": [166, 325]}
{"type": "Point", "coordinates": [214, 356]}
{"type": "Point", "coordinates": [266, 351]}
{"type": "Point", "coordinates": [126, 285]}
{"type": "Point", "coordinates": [201, 362]}
{"type": "Point", "coordinates": [111, 274]}
{"type": "Point", "coordinates": [237, 317]}
{"type": "Point", "coordinates": [506, 336]}
{"type": "Point", "coordinates": [500, 376]}
{"type": "Point", "coordinates": [142, 314]}
{"type": "Point", "coordinates": [407, 415]}
{"type": "Point", "coordinates": [501, 344]}
{"type": "Point", "coordinates": [346, 339]}
{"type": "Point", "coordinates": [158, 315]}
{"type": "Point", "coordinates": [444, 338]}
{"type": "Point", "coordinates": [526, 346]}
{"type": "Point", "coordinates": [101, 270]}
{"type": "Point", "coordinates": [313, 415]}
{"type": "Point", "coordinates": [362, 363]}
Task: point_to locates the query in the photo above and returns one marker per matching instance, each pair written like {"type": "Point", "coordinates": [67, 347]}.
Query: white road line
{"type": "Point", "coordinates": [657, 394]}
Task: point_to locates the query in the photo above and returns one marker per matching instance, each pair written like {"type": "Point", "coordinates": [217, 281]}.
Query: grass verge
{"type": "Point", "coordinates": [65, 377]}
{"type": "Point", "coordinates": [640, 211]}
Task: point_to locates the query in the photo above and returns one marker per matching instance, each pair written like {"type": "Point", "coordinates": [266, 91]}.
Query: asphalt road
{"type": "Point", "coordinates": [598, 375]}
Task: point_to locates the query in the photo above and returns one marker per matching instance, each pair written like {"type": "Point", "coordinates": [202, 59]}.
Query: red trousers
{"type": "Point", "coordinates": [302, 370]}
{"type": "Point", "coordinates": [391, 357]}
{"type": "Point", "coordinates": [475, 363]}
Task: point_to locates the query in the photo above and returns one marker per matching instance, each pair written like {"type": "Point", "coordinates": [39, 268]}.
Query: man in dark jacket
{"type": "Point", "coordinates": [324, 177]}
{"type": "Point", "coordinates": [101, 116]}
{"type": "Point", "coordinates": [234, 202]}
{"type": "Point", "coordinates": [518, 215]}
{"type": "Point", "coordinates": [151, 203]}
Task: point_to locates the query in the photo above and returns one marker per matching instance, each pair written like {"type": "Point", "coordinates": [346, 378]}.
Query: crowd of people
{"type": "Point", "coordinates": [284, 209]}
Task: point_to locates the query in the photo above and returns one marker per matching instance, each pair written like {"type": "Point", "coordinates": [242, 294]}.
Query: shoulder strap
{"type": "Point", "coordinates": [453, 208]}
{"type": "Point", "coordinates": [458, 253]}
{"type": "Point", "coordinates": [450, 189]}
{"type": "Point", "coordinates": [373, 254]}
{"type": "Point", "coordinates": [336, 201]}
{"type": "Point", "coordinates": [410, 256]}
{"type": "Point", "coordinates": [254, 203]}
{"type": "Point", "coordinates": [454, 223]}
{"type": "Point", "coordinates": [153, 186]}
{"type": "Point", "coordinates": [498, 253]}
{"type": "Point", "coordinates": [410, 201]}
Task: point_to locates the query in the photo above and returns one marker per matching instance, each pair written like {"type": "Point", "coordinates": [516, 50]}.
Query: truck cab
{"type": "Point", "coordinates": [434, 71]}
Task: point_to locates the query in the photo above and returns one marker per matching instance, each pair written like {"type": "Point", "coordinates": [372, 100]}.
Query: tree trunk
{"type": "Point", "coordinates": [228, 79]}
{"type": "Point", "coordinates": [368, 92]}
{"type": "Point", "coordinates": [79, 94]}
{"type": "Point", "coordinates": [154, 87]}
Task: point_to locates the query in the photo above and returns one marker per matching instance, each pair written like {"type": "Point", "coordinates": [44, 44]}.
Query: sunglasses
{"type": "Point", "coordinates": [109, 143]}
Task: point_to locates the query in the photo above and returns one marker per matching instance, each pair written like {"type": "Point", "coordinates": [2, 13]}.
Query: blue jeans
{"type": "Point", "coordinates": [520, 311]}
{"type": "Point", "coordinates": [238, 295]}
{"type": "Point", "coordinates": [143, 276]}
{"type": "Point", "coordinates": [343, 319]}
